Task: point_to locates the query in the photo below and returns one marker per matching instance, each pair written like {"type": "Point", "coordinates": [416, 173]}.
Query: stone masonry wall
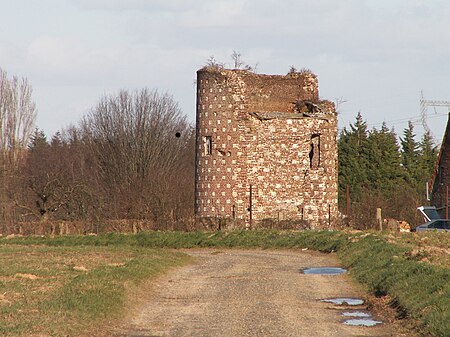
{"type": "Point", "coordinates": [250, 134]}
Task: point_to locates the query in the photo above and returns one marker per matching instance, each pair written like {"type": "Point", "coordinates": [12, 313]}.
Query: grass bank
{"type": "Point", "coordinates": [324, 241]}
{"type": "Point", "coordinates": [386, 264]}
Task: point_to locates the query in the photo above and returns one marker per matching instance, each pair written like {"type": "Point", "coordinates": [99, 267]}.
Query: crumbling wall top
{"type": "Point", "coordinates": [250, 74]}
{"type": "Point", "coordinates": [263, 92]}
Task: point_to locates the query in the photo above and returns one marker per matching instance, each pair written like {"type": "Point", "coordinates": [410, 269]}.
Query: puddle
{"type": "Point", "coordinates": [323, 271]}
{"type": "Point", "coordinates": [355, 314]}
{"type": "Point", "coordinates": [362, 322]}
{"type": "Point", "coordinates": [356, 317]}
{"type": "Point", "coordinates": [344, 301]}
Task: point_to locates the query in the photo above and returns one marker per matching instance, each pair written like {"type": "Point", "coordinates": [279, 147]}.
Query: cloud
{"type": "Point", "coordinates": [215, 14]}
{"type": "Point", "coordinates": [355, 46]}
{"type": "Point", "coordinates": [136, 5]}
{"type": "Point", "coordinates": [68, 58]}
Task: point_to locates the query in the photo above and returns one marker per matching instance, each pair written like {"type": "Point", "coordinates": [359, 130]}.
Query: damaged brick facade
{"type": "Point", "coordinates": [440, 179]}
{"type": "Point", "coordinates": [266, 148]}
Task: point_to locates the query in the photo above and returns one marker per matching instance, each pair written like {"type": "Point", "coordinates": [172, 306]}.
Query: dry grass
{"type": "Point", "coordinates": [60, 291]}
{"type": "Point", "coordinates": [431, 247]}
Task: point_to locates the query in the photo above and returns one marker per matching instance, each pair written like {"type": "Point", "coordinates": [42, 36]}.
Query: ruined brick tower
{"type": "Point", "coordinates": [266, 148]}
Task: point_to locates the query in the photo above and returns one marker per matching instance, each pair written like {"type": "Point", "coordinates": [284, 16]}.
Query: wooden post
{"type": "Point", "coordinates": [379, 219]}
{"type": "Point", "coordinates": [250, 206]}
{"type": "Point", "coordinates": [446, 202]}
{"type": "Point", "coordinates": [329, 215]}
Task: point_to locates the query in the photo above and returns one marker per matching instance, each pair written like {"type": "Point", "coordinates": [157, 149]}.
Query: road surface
{"type": "Point", "coordinates": [249, 293]}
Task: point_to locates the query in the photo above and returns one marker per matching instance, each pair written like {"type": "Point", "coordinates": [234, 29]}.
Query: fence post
{"type": "Point", "coordinates": [446, 202]}
{"type": "Point", "coordinates": [250, 207]}
{"type": "Point", "coordinates": [379, 219]}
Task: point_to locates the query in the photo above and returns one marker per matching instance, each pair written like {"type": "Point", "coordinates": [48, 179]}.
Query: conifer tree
{"type": "Point", "coordinates": [380, 172]}
{"type": "Point", "coordinates": [352, 159]}
{"type": "Point", "coordinates": [428, 154]}
{"type": "Point", "coordinates": [410, 154]}
{"type": "Point", "coordinates": [38, 140]}
{"type": "Point", "coordinates": [383, 160]}
{"type": "Point", "coordinates": [57, 140]}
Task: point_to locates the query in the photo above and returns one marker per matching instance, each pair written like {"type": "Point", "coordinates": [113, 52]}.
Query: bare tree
{"type": "Point", "coordinates": [236, 57]}
{"type": "Point", "coordinates": [17, 115]}
{"type": "Point", "coordinates": [55, 182]}
{"type": "Point", "coordinates": [240, 64]}
{"type": "Point", "coordinates": [140, 141]}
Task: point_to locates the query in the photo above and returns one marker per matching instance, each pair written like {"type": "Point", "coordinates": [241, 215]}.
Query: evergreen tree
{"type": "Point", "coordinates": [410, 154]}
{"type": "Point", "coordinates": [428, 154]}
{"type": "Point", "coordinates": [359, 131]}
{"type": "Point", "coordinates": [383, 160]}
{"type": "Point", "coordinates": [38, 140]}
{"type": "Point", "coordinates": [380, 172]}
{"type": "Point", "coordinates": [352, 159]}
{"type": "Point", "coordinates": [57, 140]}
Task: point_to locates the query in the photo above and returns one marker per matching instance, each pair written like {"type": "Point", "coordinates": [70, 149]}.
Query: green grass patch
{"type": "Point", "coordinates": [324, 241]}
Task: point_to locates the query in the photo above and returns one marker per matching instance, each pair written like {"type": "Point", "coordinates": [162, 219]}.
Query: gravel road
{"type": "Point", "coordinates": [249, 293]}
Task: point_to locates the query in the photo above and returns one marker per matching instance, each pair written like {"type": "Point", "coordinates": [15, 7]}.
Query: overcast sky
{"type": "Point", "coordinates": [375, 55]}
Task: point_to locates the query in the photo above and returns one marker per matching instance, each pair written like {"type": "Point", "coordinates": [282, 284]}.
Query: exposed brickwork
{"type": "Point", "coordinates": [441, 174]}
{"type": "Point", "coordinates": [270, 132]}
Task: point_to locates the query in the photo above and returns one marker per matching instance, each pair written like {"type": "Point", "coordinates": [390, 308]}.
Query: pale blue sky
{"type": "Point", "coordinates": [377, 55]}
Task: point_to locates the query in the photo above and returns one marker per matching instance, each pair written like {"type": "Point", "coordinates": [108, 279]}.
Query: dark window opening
{"type": "Point", "coordinates": [314, 153]}
{"type": "Point", "coordinates": [208, 145]}
{"type": "Point", "coordinates": [441, 175]}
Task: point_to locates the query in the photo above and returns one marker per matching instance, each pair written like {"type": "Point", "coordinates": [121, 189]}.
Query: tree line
{"type": "Point", "coordinates": [380, 171]}
{"type": "Point", "coordinates": [130, 157]}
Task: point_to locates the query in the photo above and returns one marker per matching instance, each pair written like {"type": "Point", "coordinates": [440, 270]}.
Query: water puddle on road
{"type": "Point", "coordinates": [362, 322]}
{"type": "Point", "coordinates": [355, 314]}
{"type": "Point", "coordinates": [344, 301]}
{"type": "Point", "coordinates": [353, 317]}
{"type": "Point", "coordinates": [323, 271]}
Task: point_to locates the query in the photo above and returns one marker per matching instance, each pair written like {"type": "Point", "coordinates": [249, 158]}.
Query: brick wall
{"type": "Point", "coordinates": [250, 133]}
{"type": "Point", "coordinates": [441, 178]}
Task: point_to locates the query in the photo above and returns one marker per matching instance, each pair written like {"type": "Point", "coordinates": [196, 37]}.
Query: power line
{"type": "Point", "coordinates": [413, 119]}
{"type": "Point", "coordinates": [424, 104]}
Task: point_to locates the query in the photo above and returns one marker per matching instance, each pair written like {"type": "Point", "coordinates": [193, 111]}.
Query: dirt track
{"type": "Point", "coordinates": [249, 293]}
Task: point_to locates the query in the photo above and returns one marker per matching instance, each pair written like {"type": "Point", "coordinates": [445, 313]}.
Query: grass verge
{"type": "Point", "coordinates": [69, 291]}
{"type": "Point", "coordinates": [419, 290]}
{"type": "Point", "coordinates": [383, 262]}
{"type": "Point", "coordinates": [324, 241]}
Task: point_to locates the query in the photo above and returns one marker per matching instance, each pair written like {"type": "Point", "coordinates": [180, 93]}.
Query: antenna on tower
{"type": "Point", "coordinates": [424, 104]}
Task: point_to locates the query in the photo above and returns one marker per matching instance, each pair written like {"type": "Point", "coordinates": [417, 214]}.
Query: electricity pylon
{"type": "Point", "coordinates": [424, 104]}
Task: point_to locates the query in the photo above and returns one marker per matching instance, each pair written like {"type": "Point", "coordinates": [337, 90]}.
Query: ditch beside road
{"type": "Point", "coordinates": [250, 293]}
